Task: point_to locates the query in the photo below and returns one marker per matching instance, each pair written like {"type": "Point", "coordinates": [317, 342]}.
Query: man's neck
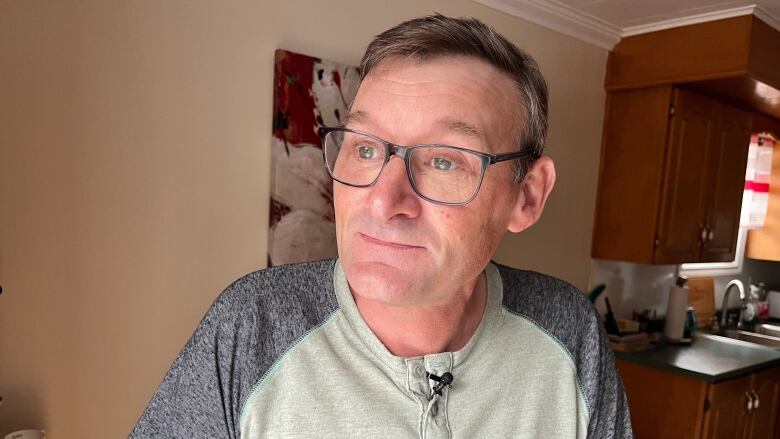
{"type": "Point", "coordinates": [414, 331]}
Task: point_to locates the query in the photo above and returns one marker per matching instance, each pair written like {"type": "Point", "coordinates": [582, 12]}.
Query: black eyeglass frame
{"type": "Point", "coordinates": [403, 152]}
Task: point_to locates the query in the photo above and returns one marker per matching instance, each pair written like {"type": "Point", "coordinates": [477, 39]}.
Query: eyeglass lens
{"type": "Point", "coordinates": [440, 173]}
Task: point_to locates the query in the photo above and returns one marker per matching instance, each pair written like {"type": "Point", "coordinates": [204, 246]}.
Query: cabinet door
{"type": "Point", "coordinates": [764, 419]}
{"type": "Point", "coordinates": [685, 179]}
{"type": "Point", "coordinates": [663, 404]}
{"type": "Point", "coordinates": [631, 174]}
{"type": "Point", "coordinates": [728, 415]}
{"type": "Point", "coordinates": [726, 180]}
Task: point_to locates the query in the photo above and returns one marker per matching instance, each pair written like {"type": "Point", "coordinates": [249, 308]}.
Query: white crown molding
{"type": "Point", "coordinates": [702, 18]}
{"type": "Point", "coordinates": [561, 18]}
{"type": "Point", "coordinates": [575, 23]}
{"type": "Point", "coordinates": [767, 18]}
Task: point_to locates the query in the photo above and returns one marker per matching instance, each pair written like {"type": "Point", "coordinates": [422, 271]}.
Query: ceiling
{"type": "Point", "coordinates": [605, 22]}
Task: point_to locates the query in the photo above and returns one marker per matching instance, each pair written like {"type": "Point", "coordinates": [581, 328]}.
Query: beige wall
{"type": "Point", "coordinates": [134, 179]}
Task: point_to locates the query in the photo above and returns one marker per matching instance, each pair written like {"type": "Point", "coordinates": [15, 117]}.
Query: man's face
{"type": "Point", "coordinates": [397, 248]}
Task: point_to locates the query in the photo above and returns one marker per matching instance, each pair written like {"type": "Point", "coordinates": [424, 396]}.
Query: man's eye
{"type": "Point", "coordinates": [442, 164]}
{"type": "Point", "coordinates": [366, 152]}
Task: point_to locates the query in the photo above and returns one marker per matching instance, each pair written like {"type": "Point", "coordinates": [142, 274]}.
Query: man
{"type": "Point", "coordinates": [412, 331]}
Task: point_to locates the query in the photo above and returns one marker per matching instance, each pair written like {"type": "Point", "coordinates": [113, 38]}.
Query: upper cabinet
{"type": "Point", "coordinates": [726, 163]}
{"type": "Point", "coordinates": [670, 187]}
{"type": "Point", "coordinates": [735, 59]}
{"type": "Point", "coordinates": [679, 113]}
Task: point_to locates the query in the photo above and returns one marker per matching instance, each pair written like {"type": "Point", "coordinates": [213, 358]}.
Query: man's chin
{"type": "Point", "coordinates": [381, 282]}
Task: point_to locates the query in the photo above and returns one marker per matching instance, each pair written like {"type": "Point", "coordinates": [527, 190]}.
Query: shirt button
{"type": "Point", "coordinates": [435, 409]}
{"type": "Point", "coordinates": [419, 371]}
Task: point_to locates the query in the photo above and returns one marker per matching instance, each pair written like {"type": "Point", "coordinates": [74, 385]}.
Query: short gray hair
{"type": "Point", "coordinates": [437, 36]}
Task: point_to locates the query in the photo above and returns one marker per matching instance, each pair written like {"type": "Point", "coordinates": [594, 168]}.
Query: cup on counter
{"type": "Point", "coordinates": [690, 322]}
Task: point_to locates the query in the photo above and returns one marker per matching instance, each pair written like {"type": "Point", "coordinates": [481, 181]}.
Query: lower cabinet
{"type": "Point", "coordinates": [729, 406]}
{"type": "Point", "coordinates": [668, 404]}
{"type": "Point", "coordinates": [765, 416]}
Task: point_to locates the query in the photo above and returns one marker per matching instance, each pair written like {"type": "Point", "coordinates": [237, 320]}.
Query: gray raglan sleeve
{"type": "Point", "coordinates": [603, 387]}
{"type": "Point", "coordinates": [568, 316]}
{"type": "Point", "coordinates": [198, 396]}
{"type": "Point", "coordinates": [248, 327]}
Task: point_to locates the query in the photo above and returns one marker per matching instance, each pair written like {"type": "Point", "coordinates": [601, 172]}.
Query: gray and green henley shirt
{"type": "Point", "coordinates": [284, 353]}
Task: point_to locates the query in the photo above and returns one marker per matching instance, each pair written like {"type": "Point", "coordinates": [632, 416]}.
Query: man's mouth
{"type": "Point", "coordinates": [391, 244]}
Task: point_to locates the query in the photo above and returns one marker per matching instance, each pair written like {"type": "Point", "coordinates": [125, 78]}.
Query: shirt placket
{"type": "Point", "coordinates": [433, 407]}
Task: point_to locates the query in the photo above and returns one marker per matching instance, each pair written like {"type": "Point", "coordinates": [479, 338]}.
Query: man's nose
{"type": "Point", "coordinates": [392, 195]}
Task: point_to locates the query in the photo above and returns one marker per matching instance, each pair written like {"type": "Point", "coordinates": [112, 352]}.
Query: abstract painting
{"type": "Point", "coordinates": [308, 93]}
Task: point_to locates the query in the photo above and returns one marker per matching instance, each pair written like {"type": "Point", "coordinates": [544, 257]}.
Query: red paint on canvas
{"type": "Point", "coordinates": [294, 120]}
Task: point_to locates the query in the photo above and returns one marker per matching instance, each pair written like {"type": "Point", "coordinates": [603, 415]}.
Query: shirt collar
{"type": "Point", "coordinates": [479, 341]}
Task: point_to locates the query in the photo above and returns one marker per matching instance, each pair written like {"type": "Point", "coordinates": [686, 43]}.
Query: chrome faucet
{"type": "Point", "coordinates": [723, 310]}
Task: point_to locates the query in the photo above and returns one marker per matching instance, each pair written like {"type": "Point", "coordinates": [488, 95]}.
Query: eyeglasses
{"type": "Point", "coordinates": [440, 174]}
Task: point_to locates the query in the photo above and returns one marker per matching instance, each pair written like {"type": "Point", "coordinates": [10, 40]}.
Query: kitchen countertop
{"type": "Point", "coordinates": [707, 359]}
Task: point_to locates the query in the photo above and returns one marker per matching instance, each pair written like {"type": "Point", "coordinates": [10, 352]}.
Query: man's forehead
{"type": "Point", "coordinates": [420, 76]}
{"type": "Point", "coordinates": [462, 96]}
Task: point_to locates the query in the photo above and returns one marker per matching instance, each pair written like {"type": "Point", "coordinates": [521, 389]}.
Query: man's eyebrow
{"type": "Point", "coordinates": [461, 127]}
{"type": "Point", "coordinates": [354, 116]}
{"type": "Point", "coordinates": [455, 125]}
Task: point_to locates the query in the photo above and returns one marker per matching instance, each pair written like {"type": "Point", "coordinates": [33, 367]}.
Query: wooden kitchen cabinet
{"type": "Point", "coordinates": [726, 412]}
{"type": "Point", "coordinates": [667, 404]}
{"type": "Point", "coordinates": [744, 408]}
{"type": "Point", "coordinates": [663, 404]}
{"type": "Point", "coordinates": [726, 181]}
{"type": "Point", "coordinates": [765, 419]}
{"type": "Point", "coordinates": [671, 177]}
{"type": "Point", "coordinates": [733, 58]}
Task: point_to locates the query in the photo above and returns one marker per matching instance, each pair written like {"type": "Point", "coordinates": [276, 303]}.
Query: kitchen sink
{"type": "Point", "coordinates": [760, 338]}
{"type": "Point", "coordinates": [771, 330]}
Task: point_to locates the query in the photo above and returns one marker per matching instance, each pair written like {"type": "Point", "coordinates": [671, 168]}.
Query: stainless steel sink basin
{"type": "Point", "coordinates": [763, 339]}
{"type": "Point", "coordinates": [771, 330]}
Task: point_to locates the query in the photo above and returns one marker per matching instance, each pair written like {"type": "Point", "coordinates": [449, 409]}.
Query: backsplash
{"type": "Point", "coordinates": [763, 271]}
{"type": "Point", "coordinates": [635, 286]}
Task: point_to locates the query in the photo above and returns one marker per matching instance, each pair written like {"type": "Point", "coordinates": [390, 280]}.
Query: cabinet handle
{"type": "Point", "coordinates": [755, 400]}
{"type": "Point", "coordinates": [750, 401]}
{"type": "Point", "coordinates": [703, 234]}
{"type": "Point", "coordinates": [710, 235]}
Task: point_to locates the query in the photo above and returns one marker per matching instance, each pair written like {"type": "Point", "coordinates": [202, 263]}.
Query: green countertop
{"type": "Point", "coordinates": [707, 359]}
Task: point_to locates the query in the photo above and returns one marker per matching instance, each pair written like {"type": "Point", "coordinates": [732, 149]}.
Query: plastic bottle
{"type": "Point", "coordinates": [749, 314]}
{"type": "Point", "coordinates": [763, 302]}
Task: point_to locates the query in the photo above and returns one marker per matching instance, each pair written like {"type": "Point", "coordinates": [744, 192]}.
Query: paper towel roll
{"type": "Point", "coordinates": [675, 312]}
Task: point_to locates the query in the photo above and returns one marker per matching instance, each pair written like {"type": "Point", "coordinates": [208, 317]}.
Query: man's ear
{"type": "Point", "coordinates": [534, 189]}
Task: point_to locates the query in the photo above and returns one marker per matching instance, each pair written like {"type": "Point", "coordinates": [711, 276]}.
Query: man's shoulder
{"type": "Point", "coordinates": [248, 327]}
{"type": "Point", "coordinates": [289, 280]}
{"type": "Point", "coordinates": [555, 306]}
{"type": "Point", "coordinates": [303, 290]}
{"type": "Point", "coordinates": [567, 316]}
{"type": "Point", "coordinates": [537, 294]}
